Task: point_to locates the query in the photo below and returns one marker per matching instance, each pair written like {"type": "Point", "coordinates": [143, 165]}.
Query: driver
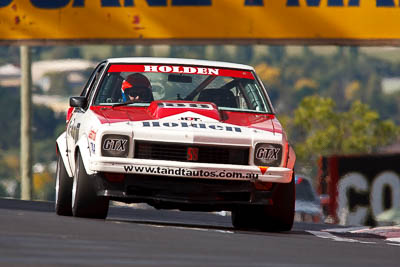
{"type": "Point", "coordinates": [137, 87]}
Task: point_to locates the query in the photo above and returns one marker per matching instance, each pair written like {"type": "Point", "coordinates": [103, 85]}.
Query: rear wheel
{"type": "Point", "coordinates": [85, 202]}
{"type": "Point", "coordinates": [277, 217]}
{"type": "Point", "coordinates": [63, 204]}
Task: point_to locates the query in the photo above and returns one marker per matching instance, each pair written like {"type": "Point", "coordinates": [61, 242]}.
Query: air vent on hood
{"type": "Point", "coordinates": [161, 109]}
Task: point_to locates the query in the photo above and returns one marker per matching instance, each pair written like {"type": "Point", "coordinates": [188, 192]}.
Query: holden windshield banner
{"type": "Point", "coordinates": [181, 70]}
{"type": "Point", "coordinates": [182, 21]}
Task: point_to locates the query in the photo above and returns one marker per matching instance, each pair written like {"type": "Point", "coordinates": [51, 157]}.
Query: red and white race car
{"type": "Point", "coordinates": [176, 134]}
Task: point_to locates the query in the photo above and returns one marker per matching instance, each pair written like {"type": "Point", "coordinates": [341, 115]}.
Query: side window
{"type": "Point", "coordinates": [96, 80]}
{"type": "Point", "coordinates": [89, 82]}
{"type": "Point", "coordinates": [240, 98]}
{"type": "Point", "coordinates": [92, 81]}
{"type": "Point", "coordinates": [110, 90]}
{"type": "Point", "coordinates": [254, 97]}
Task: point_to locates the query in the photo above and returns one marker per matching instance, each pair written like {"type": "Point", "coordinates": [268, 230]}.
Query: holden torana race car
{"type": "Point", "coordinates": [176, 134]}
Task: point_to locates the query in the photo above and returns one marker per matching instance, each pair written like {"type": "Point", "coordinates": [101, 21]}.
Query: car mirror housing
{"type": "Point", "coordinates": [179, 78]}
{"type": "Point", "coordinates": [78, 102]}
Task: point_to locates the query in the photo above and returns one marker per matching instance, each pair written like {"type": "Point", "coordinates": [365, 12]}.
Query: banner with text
{"type": "Point", "coordinates": [208, 21]}
{"type": "Point", "coordinates": [360, 187]}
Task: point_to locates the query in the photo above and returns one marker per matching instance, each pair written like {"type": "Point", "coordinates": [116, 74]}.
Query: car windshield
{"type": "Point", "coordinates": [230, 89]}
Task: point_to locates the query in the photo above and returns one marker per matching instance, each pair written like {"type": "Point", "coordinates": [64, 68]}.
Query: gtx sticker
{"type": "Point", "coordinates": [115, 144]}
{"type": "Point", "coordinates": [267, 153]}
{"type": "Point", "coordinates": [216, 127]}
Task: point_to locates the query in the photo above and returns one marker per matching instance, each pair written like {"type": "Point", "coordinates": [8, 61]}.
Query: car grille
{"type": "Point", "coordinates": [179, 152]}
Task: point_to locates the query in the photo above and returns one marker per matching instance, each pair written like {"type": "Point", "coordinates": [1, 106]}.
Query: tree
{"type": "Point", "coordinates": [43, 186]}
{"type": "Point", "coordinates": [45, 122]}
{"type": "Point", "coordinates": [317, 129]}
{"type": "Point", "coordinates": [9, 119]}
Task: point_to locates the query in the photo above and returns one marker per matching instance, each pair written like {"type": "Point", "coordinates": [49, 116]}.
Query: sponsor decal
{"type": "Point", "coordinates": [267, 154]}
{"type": "Point", "coordinates": [181, 69]}
{"type": "Point", "coordinates": [114, 144]}
{"type": "Point", "coordinates": [263, 169]}
{"type": "Point", "coordinates": [216, 127]}
{"type": "Point", "coordinates": [92, 135]}
{"type": "Point", "coordinates": [189, 119]}
{"type": "Point", "coordinates": [192, 154]}
{"type": "Point", "coordinates": [93, 147]}
{"type": "Point", "coordinates": [190, 173]}
{"type": "Point", "coordinates": [195, 70]}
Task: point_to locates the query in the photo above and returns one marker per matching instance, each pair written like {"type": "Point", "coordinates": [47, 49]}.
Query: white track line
{"type": "Point", "coordinates": [346, 230]}
{"type": "Point", "coordinates": [327, 235]}
{"type": "Point", "coordinates": [394, 239]}
{"type": "Point", "coordinates": [191, 228]}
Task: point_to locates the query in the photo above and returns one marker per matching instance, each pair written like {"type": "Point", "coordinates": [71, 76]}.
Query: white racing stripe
{"type": "Point", "coordinates": [327, 235]}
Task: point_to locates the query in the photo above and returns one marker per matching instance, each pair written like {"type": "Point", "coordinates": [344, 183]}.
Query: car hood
{"type": "Point", "coordinates": [173, 114]}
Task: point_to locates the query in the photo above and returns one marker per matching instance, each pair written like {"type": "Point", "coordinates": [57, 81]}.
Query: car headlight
{"type": "Point", "coordinates": [113, 145]}
{"type": "Point", "coordinates": [268, 155]}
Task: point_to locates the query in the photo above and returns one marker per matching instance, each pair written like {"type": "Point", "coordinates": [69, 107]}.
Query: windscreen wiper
{"type": "Point", "coordinates": [123, 104]}
{"type": "Point", "coordinates": [128, 103]}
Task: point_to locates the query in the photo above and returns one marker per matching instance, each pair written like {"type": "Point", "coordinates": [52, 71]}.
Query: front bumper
{"type": "Point", "coordinates": [190, 170]}
{"type": "Point", "coordinates": [184, 194]}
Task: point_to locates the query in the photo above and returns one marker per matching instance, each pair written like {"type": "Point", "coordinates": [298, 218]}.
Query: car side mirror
{"type": "Point", "coordinates": [78, 101]}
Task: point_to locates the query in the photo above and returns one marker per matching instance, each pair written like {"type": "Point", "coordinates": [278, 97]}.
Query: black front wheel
{"type": "Point", "coordinates": [276, 217]}
{"type": "Point", "coordinates": [63, 203]}
{"type": "Point", "coordinates": [85, 202]}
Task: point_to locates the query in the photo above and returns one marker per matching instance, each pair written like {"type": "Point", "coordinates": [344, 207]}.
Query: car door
{"type": "Point", "coordinates": [78, 114]}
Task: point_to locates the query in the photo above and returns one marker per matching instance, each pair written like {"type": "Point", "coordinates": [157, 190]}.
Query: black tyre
{"type": "Point", "coordinates": [244, 217]}
{"type": "Point", "coordinates": [85, 202]}
{"type": "Point", "coordinates": [278, 217]}
{"type": "Point", "coordinates": [63, 204]}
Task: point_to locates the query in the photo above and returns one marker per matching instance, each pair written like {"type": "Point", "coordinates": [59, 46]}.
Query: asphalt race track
{"type": "Point", "coordinates": [31, 234]}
